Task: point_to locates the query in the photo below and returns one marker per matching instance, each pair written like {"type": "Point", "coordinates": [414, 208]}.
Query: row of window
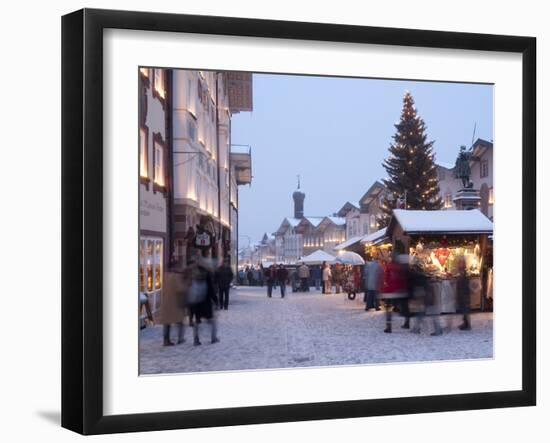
{"type": "Point", "coordinates": [158, 80]}
{"type": "Point", "coordinates": [353, 226]}
{"type": "Point", "coordinates": [158, 157]}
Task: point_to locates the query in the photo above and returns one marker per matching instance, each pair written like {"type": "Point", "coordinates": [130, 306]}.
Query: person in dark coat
{"type": "Point", "coordinates": [270, 277]}
{"type": "Point", "coordinates": [224, 277]}
{"type": "Point", "coordinates": [316, 276]}
{"type": "Point", "coordinates": [200, 296]}
{"type": "Point", "coordinates": [463, 294]}
{"type": "Point", "coordinates": [282, 278]}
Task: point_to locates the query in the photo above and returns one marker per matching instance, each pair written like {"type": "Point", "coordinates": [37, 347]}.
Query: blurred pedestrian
{"type": "Point", "coordinates": [200, 297]}
{"type": "Point", "coordinates": [337, 277]}
{"type": "Point", "coordinates": [316, 276]}
{"type": "Point", "coordinates": [172, 308]}
{"type": "Point", "coordinates": [250, 276]}
{"type": "Point", "coordinates": [270, 277]}
{"type": "Point", "coordinates": [224, 277]}
{"type": "Point", "coordinates": [282, 278]}
{"type": "Point", "coordinates": [256, 275]}
{"type": "Point", "coordinates": [353, 281]}
{"type": "Point", "coordinates": [419, 284]}
{"type": "Point", "coordinates": [372, 276]}
{"type": "Point", "coordinates": [145, 304]}
{"type": "Point", "coordinates": [261, 274]}
{"type": "Point", "coordinates": [394, 289]}
{"type": "Point", "coordinates": [327, 276]}
{"type": "Point", "coordinates": [463, 294]}
{"type": "Point", "coordinates": [240, 276]}
{"type": "Point", "coordinates": [303, 273]}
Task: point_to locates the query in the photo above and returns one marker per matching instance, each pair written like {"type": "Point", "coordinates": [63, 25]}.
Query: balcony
{"type": "Point", "coordinates": [241, 160]}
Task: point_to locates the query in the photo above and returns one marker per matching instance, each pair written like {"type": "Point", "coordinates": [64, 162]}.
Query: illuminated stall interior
{"type": "Point", "coordinates": [437, 239]}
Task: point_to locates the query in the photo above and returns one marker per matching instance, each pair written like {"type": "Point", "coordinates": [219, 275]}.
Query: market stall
{"type": "Point", "coordinates": [377, 244]}
{"type": "Point", "coordinates": [437, 240]}
{"type": "Point", "coordinates": [316, 258]}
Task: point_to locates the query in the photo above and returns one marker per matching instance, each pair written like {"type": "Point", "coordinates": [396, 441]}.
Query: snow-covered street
{"type": "Point", "coordinates": [307, 329]}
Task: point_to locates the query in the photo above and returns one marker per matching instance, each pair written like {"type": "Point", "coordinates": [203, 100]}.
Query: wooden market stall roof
{"type": "Point", "coordinates": [441, 222]}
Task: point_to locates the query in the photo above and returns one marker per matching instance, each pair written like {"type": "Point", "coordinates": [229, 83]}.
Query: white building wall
{"type": "Point", "coordinates": [152, 204]}
{"type": "Point", "coordinates": [448, 186]}
{"type": "Point", "coordinates": [194, 131]}
{"type": "Point", "coordinates": [487, 181]}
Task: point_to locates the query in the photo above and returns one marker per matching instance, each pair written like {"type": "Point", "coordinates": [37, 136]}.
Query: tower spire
{"type": "Point", "coordinates": [298, 197]}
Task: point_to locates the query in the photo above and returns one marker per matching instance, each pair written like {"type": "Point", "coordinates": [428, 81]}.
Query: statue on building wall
{"type": "Point", "coordinates": [462, 167]}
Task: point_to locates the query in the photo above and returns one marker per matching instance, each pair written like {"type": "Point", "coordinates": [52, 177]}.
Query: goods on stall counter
{"type": "Point", "coordinates": [442, 254]}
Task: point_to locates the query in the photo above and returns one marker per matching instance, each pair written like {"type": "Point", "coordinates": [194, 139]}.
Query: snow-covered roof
{"type": "Point", "coordinates": [347, 207]}
{"type": "Point", "coordinates": [337, 220]}
{"type": "Point", "coordinates": [317, 257]}
{"type": "Point", "coordinates": [443, 221]}
{"type": "Point", "coordinates": [348, 242]}
{"type": "Point", "coordinates": [293, 221]}
{"type": "Point", "coordinates": [374, 236]}
{"type": "Point", "coordinates": [315, 221]}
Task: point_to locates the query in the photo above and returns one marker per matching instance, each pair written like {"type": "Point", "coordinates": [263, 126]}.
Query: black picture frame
{"type": "Point", "coordinates": [82, 218]}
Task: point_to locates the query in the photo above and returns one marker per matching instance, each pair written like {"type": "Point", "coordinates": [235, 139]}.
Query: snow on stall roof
{"type": "Point", "coordinates": [451, 221]}
{"type": "Point", "coordinates": [374, 236]}
{"type": "Point", "coordinates": [348, 242]}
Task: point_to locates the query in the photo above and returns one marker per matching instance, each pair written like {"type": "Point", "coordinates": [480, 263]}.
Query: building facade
{"type": "Point", "coordinates": [206, 173]}
{"type": "Point", "coordinates": [481, 176]}
{"type": "Point", "coordinates": [370, 207]}
{"type": "Point", "coordinates": [188, 174]}
{"type": "Point", "coordinates": [301, 235]}
{"type": "Point", "coordinates": [481, 166]}
{"type": "Point", "coordinates": [154, 181]}
{"type": "Point", "coordinates": [449, 185]}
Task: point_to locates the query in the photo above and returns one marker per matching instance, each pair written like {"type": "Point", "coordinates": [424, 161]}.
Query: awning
{"type": "Point", "coordinates": [317, 258]}
{"type": "Point", "coordinates": [350, 258]}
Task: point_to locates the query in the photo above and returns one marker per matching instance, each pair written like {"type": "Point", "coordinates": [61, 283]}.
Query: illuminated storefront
{"type": "Point", "coordinates": [151, 265]}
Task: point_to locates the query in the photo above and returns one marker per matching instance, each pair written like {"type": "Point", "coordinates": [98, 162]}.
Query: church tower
{"type": "Point", "coordinates": [299, 198]}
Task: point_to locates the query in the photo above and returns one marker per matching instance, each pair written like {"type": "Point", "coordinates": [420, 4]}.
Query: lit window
{"type": "Point", "coordinates": [160, 88]}
{"type": "Point", "coordinates": [448, 201]}
{"type": "Point", "coordinates": [159, 164]}
{"type": "Point", "coordinates": [373, 223]}
{"type": "Point", "coordinates": [158, 264]}
{"type": "Point", "coordinates": [151, 263]}
{"type": "Point", "coordinates": [491, 199]}
{"type": "Point", "coordinates": [484, 168]}
{"type": "Point", "coordinates": [143, 152]}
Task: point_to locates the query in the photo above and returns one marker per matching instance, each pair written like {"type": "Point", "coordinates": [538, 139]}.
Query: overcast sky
{"type": "Point", "coordinates": [335, 133]}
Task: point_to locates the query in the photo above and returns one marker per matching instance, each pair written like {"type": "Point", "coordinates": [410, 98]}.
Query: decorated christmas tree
{"type": "Point", "coordinates": [412, 176]}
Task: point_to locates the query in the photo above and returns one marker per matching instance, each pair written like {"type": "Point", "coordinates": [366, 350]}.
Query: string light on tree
{"type": "Point", "coordinates": [410, 165]}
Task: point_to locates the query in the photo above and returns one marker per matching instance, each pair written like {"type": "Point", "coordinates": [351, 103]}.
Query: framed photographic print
{"type": "Point", "coordinates": [269, 221]}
